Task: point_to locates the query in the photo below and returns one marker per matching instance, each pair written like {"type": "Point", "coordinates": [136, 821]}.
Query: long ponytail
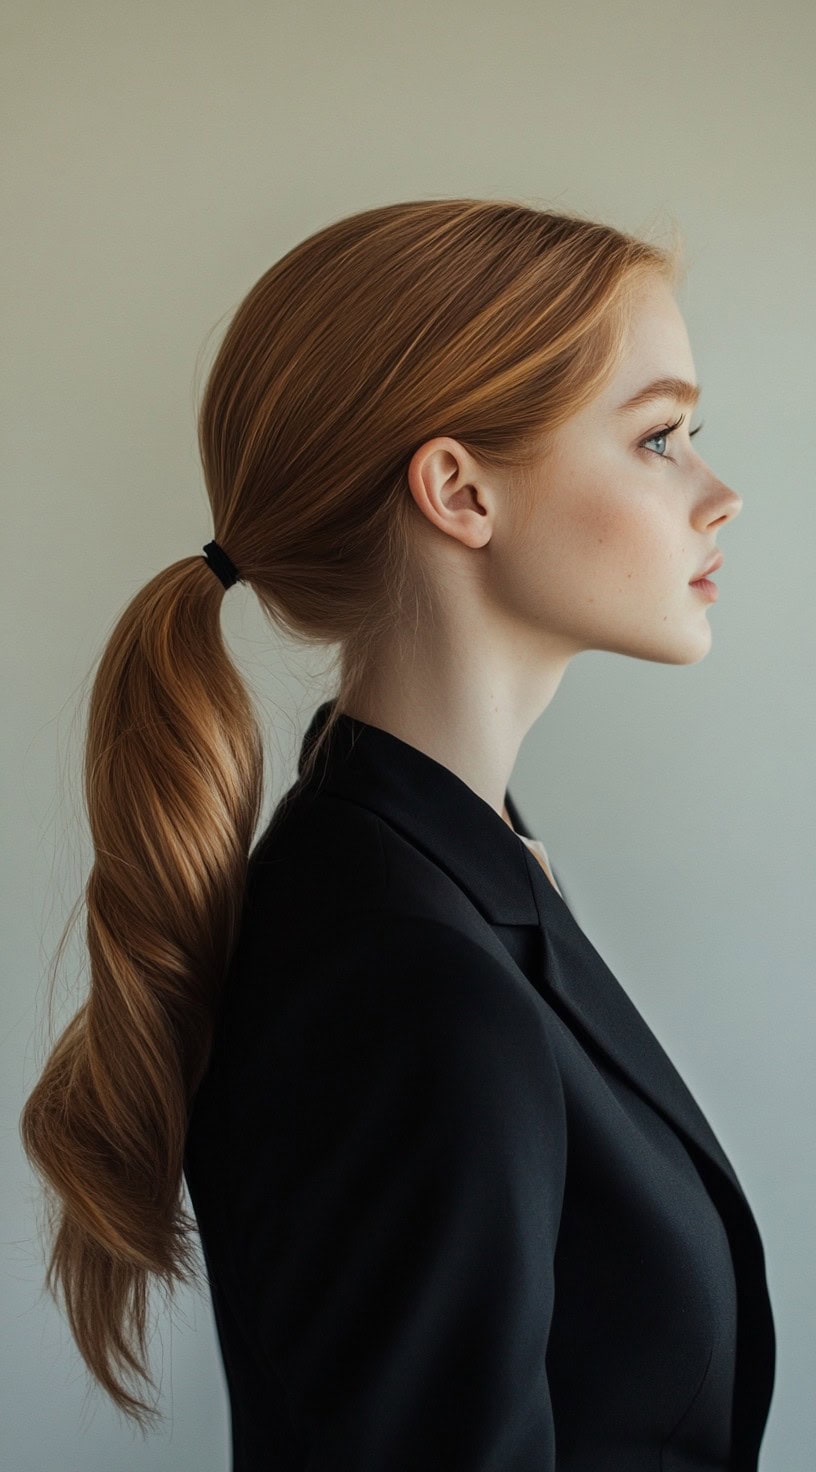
{"type": "Point", "coordinates": [173, 784]}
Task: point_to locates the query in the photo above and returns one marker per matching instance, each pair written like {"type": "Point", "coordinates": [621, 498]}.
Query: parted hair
{"type": "Point", "coordinates": [489, 320]}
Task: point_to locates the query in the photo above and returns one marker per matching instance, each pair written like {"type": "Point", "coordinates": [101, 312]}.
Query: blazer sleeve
{"type": "Point", "coordinates": [402, 1263]}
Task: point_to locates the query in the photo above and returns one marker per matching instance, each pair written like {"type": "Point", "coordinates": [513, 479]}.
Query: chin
{"type": "Point", "coordinates": [688, 649]}
{"type": "Point", "coordinates": [680, 651]}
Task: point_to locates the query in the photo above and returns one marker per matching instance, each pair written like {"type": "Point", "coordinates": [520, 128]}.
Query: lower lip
{"type": "Point", "coordinates": [707, 588]}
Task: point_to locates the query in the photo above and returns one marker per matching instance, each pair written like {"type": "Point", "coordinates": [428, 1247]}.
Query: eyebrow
{"type": "Point", "coordinates": [663, 388]}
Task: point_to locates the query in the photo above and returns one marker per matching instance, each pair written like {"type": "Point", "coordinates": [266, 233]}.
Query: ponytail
{"type": "Point", "coordinates": [173, 784]}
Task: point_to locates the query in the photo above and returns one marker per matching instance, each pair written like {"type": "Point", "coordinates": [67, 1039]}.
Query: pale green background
{"type": "Point", "coordinates": [158, 157]}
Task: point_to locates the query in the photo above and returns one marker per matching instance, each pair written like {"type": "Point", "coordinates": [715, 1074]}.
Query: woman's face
{"type": "Point", "coordinates": [624, 516]}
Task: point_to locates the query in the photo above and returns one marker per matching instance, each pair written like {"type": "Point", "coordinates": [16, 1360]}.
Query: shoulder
{"type": "Point", "coordinates": [328, 860]}
{"type": "Point", "coordinates": [387, 995]}
{"type": "Point", "coordinates": [400, 1001]}
{"type": "Point", "coordinates": [409, 959]}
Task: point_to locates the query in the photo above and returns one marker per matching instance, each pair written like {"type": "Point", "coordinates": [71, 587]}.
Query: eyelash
{"type": "Point", "coordinates": [661, 434]}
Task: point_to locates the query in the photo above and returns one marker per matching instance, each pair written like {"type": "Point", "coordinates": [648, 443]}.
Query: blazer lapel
{"type": "Point", "coordinates": [580, 986]}
{"type": "Point", "coordinates": [597, 1005]}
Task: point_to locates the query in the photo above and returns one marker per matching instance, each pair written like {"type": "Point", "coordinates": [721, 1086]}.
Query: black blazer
{"type": "Point", "coordinates": [459, 1211]}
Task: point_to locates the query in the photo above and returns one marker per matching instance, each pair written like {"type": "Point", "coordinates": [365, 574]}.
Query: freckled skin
{"type": "Point", "coordinates": [617, 529]}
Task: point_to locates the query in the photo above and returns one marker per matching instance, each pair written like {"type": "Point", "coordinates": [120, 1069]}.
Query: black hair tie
{"type": "Point", "coordinates": [217, 559]}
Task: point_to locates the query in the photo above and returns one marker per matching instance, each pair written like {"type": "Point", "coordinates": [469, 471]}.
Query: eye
{"type": "Point", "coordinates": [663, 434]}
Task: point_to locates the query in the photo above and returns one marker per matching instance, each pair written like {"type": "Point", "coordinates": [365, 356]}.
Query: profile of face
{"type": "Point", "coordinates": [625, 514]}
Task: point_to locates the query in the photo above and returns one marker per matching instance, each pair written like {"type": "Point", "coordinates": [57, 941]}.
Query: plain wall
{"type": "Point", "coordinates": [158, 157]}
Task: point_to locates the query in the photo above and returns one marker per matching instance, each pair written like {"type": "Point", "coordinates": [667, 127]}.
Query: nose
{"type": "Point", "coordinates": [729, 500]}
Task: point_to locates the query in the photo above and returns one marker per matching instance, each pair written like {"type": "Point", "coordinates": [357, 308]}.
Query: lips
{"type": "Point", "coordinates": [716, 561]}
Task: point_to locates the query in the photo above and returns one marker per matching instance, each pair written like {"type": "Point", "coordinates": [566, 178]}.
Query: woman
{"type": "Point", "coordinates": [458, 1209]}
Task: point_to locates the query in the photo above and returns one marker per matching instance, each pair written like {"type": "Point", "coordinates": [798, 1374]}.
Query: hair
{"type": "Point", "coordinates": [488, 320]}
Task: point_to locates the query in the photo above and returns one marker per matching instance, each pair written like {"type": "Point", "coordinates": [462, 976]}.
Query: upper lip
{"type": "Point", "coordinates": [716, 561]}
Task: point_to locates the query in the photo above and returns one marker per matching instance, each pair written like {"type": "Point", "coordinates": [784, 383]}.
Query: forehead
{"type": "Point", "coordinates": [657, 363]}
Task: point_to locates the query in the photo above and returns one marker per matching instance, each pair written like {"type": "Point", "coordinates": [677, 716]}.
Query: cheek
{"type": "Point", "coordinates": [618, 520]}
{"type": "Point", "coordinates": [590, 527]}
{"type": "Point", "coordinates": [590, 539]}
{"type": "Point", "coordinates": [570, 552]}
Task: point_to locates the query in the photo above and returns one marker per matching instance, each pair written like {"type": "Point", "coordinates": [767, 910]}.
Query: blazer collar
{"type": "Point", "coordinates": [439, 813]}
{"type": "Point", "coordinates": [433, 808]}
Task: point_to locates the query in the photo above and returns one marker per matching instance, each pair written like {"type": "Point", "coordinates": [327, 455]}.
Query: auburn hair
{"type": "Point", "coordinates": [489, 320]}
